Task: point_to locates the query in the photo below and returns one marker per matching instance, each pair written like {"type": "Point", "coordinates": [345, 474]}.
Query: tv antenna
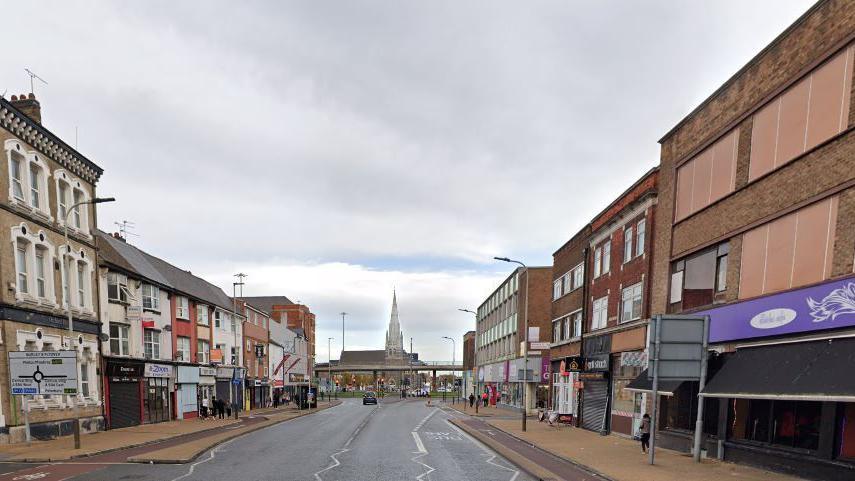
{"type": "Point", "coordinates": [33, 77]}
{"type": "Point", "coordinates": [125, 228]}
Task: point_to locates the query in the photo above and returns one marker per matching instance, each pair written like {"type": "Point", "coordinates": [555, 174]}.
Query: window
{"type": "Point", "coordinates": [35, 186]}
{"type": "Point", "coordinates": [40, 273]}
{"type": "Point", "coordinates": [790, 251]}
{"type": "Point", "coordinates": [63, 200]}
{"type": "Point", "coordinates": [17, 178]}
{"type": "Point", "coordinates": [151, 341]}
{"type": "Point", "coordinates": [792, 424]}
{"type": "Point", "coordinates": [600, 313]}
{"type": "Point", "coordinates": [598, 259]}
{"type": "Point", "coordinates": [75, 215]}
{"type": "Point", "coordinates": [566, 283]}
{"type": "Point", "coordinates": [21, 265]}
{"type": "Point", "coordinates": [566, 325]}
{"type": "Point", "coordinates": [578, 276]}
{"type": "Point", "coordinates": [695, 280]}
{"type": "Point", "coordinates": [81, 284]}
{"type": "Point", "coordinates": [182, 349]}
{"type": "Point", "coordinates": [84, 379]}
{"type": "Point", "coordinates": [151, 297]}
{"type": "Point", "coordinates": [576, 319]}
{"type": "Point", "coordinates": [810, 112]}
{"type": "Point", "coordinates": [627, 244]}
{"type": "Point", "coordinates": [707, 177]}
{"type": "Point", "coordinates": [640, 231]}
{"type": "Point", "coordinates": [182, 311]}
{"type": "Point", "coordinates": [607, 256]}
{"type": "Point", "coordinates": [218, 319]}
{"type": "Point", "coordinates": [203, 352]}
{"type": "Point", "coordinates": [117, 287]}
{"type": "Point", "coordinates": [556, 330]}
{"type": "Point", "coordinates": [202, 314]}
{"type": "Point", "coordinates": [631, 303]}
{"type": "Point", "coordinates": [119, 339]}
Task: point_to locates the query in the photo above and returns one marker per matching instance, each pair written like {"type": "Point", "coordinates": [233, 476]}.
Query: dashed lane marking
{"type": "Point", "coordinates": [491, 455]}
{"type": "Point", "coordinates": [334, 456]}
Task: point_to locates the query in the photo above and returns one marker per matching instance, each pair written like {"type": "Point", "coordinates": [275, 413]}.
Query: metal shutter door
{"type": "Point", "coordinates": [124, 404]}
{"type": "Point", "coordinates": [595, 400]}
{"type": "Point", "coordinates": [223, 390]}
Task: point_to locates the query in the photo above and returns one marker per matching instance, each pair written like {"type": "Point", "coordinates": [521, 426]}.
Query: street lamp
{"type": "Point", "coordinates": [474, 380]}
{"type": "Point", "coordinates": [453, 360]}
{"type": "Point", "coordinates": [237, 347]}
{"type": "Point", "coordinates": [74, 209]}
{"type": "Point", "coordinates": [329, 367]}
{"type": "Point", "coordinates": [525, 345]}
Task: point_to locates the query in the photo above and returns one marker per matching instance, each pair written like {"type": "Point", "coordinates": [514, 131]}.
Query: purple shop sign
{"type": "Point", "coordinates": [830, 305]}
{"type": "Point", "coordinates": [544, 367]}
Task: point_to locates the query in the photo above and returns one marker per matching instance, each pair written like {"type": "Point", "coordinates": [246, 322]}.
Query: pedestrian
{"type": "Point", "coordinates": [645, 433]}
{"type": "Point", "coordinates": [471, 399]}
{"type": "Point", "coordinates": [228, 409]}
{"type": "Point", "coordinates": [275, 400]}
{"type": "Point", "coordinates": [484, 398]}
{"type": "Point", "coordinates": [205, 405]}
{"type": "Point", "coordinates": [221, 408]}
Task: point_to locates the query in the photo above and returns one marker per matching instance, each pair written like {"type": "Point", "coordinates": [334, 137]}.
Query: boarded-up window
{"type": "Point", "coordinates": [805, 115]}
{"type": "Point", "coordinates": [707, 177]}
{"type": "Point", "coordinates": [791, 251]}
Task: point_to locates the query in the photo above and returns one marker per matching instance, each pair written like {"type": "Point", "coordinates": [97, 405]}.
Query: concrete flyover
{"type": "Point", "coordinates": [388, 367]}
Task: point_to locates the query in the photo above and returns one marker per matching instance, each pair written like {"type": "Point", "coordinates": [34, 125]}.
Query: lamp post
{"type": "Point", "coordinates": [453, 359]}
{"type": "Point", "coordinates": [237, 347]}
{"type": "Point", "coordinates": [525, 345]}
{"type": "Point", "coordinates": [329, 367]}
{"type": "Point", "coordinates": [342, 330]}
{"type": "Point", "coordinates": [74, 208]}
{"type": "Point", "coordinates": [474, 380]}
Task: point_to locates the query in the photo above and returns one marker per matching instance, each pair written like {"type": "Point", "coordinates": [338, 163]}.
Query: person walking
{"type": "Point", "coordinates": [484, 398]}
{"type": "Point", "coordinates": [205, 405]}
{"type": "Point", "coordinates": [471, 399]}
{"type": "Point", "coordinates": [221, 408]}
{"type": "Point", "coordinates": [645, 433]}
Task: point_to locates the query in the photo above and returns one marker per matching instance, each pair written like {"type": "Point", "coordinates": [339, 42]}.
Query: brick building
{"type": "Point", "coordinates": [44, 178]}
{"type": "Point", "coordinates": [468, 364]}
{"type": "Point", "coordinates": [500, 334]}
{"type": "Point", "coordinates": [256, 339]}
{"type": "Point", "coordinates": [296, 316]}
{"type": "Point", "coordinates": [569, 288]}
{"type": "Point", "coordinates": [756, 228]}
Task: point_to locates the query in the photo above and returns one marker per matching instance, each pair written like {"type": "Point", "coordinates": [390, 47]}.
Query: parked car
{"type": "Point", "coordinates": [369, 398]}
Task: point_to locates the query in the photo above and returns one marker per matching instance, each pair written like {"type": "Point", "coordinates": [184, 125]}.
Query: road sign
{"type": "Point", "coordinates": [539, 346]}
{"type": "Point", "coordinates": [43, 372]}
{"type": "Point", "coordinates": [681, 348]}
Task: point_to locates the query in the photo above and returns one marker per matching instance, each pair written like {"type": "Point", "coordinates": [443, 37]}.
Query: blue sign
{"type": "Point", "coordinates": [24, 390]}
{"type": "Point", "coordinates": [236, 381]}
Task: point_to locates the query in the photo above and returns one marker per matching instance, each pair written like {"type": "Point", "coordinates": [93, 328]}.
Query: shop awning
{"type": "Point", "coordinates": [643, 384]}
{"type": "Point", "coordinates": [797, 371]}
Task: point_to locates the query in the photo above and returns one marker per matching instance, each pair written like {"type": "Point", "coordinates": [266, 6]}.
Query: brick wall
{"type": "Point", "coordinates": [827, 169]}
{"type": "Point", "coordinates": [540, 298]}
{"type": "Point", "coordinates": [567, 257]}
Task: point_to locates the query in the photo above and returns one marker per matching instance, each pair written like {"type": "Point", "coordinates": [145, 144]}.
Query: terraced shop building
{"type": "Point", "coordinates": [756, 228]}
{"type": "Point", "coordinates": [41, 275]}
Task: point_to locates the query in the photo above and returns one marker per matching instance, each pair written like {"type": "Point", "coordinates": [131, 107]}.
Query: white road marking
{"type": "Point", "coordinates": [211, 454]}
{"type": "Point", "coordinates": [490, 454]}
{"type": "Point", "coordinates": [419, 445]}
{"type": "Point", "coordinates": [336, 463]}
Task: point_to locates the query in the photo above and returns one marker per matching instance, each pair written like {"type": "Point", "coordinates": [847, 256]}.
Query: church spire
{"type": "Point", "coordinates": [394, 336]}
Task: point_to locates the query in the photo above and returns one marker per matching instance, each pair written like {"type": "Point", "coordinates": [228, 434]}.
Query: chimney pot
{"type": "Point", "coordinates": [29, 106]}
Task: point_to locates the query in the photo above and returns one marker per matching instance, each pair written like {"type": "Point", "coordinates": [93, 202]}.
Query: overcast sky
{"type": "Point", "coordinates": [335, 150]}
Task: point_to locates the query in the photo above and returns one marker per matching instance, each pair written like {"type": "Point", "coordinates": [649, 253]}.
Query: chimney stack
{"type": "Point", "coordinates": [29, 106]}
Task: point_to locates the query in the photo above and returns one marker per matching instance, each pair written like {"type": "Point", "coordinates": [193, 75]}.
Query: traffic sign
{"type": "Point", "coordinates": [43, 372]}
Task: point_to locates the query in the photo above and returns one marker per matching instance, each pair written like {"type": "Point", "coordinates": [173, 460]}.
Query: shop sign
{"type": "Point", "coordinates": [121, 369]}
{"type": "Point", "coordinates": [225, 372]}
{"type": "Point", "coordinates": [544, 368]}
{"type": "Point", "coordinates": [134, 313]}
{"type": "Point", "coordinates": [296, 377]}
{"type": "Point", "coordinates": [633, 359]}
{"type": "Point", "coordinates": [830, 305]}
{"type": "Point", "coordinates": [158, 370]}
{"type": "Point", "coordinates": [216, 356]}
{"type": "Point", "coordinates": [539, 346]}
{"type": "Point", "coordinates": [207, 371]}
{"type": "Point", "coordinates": [597, 363]}
{"type": "Point", "coordinates": [572, 364]}
{"type": "Point", "coordinates": [597, 345]}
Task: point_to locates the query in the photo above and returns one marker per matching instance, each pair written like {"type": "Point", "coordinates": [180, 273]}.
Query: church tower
{"type": "Point", "coordinates": [394, 337]}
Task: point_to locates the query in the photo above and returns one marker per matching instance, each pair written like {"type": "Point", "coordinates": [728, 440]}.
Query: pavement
{"type": "Point", "coordinates": [574, 454]}
{"type": "Point", "coordinates": [398, 439]}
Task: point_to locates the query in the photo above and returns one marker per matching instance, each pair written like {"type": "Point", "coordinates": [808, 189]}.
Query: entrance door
{"type": "Point", "coordinates": [156, 400]}
{"type": "Point", "coordinates": [124, 404]}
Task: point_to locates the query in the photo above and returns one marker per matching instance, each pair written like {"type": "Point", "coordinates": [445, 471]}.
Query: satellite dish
{"type": "Point", "coordinates": [104, 337]}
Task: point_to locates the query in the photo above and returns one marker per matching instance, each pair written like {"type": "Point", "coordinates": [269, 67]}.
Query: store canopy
{"type": "Point", "coordinates": [643, 384]}
{"type": "Point", "coordinates": [796, 371]}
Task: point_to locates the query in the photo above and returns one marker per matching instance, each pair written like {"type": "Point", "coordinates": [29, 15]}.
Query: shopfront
{"type": "Point", "coordinates": [223, 384]}
{"type": "Point", "coordinates": [186, 392]}
{"type": "Point", "coordinates": [627, 407]}
{"type": "Point", "coordinates": [595, 383]}
{"type": "Point", "coordinates": [124, 393]}
{"type": "Point", "coordinates": [156, 393]}
{"type": "Point", "coordinates": [772, 399]}
{"type": "Point", "coordinates": [565, 381]}
{"type": "Point", "coordinates": [519, 385]}
{"type": "Point", "coordinates": [207, 386]}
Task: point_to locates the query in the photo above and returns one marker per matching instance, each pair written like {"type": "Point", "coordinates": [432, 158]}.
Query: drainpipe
{"type": "Point", "coordinates": [585, 252]}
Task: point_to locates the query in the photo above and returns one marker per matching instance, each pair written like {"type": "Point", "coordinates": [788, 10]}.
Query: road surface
{"type": "Point", "coordinates": [397, 440]}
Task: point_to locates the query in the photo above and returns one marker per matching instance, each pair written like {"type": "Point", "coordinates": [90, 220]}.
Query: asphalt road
{"type": "Point", "coordinates": [396, 440]}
